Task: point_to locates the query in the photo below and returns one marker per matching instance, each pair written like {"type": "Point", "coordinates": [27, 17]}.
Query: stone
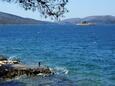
{"type": "Point", "coordinates": [12, 69]}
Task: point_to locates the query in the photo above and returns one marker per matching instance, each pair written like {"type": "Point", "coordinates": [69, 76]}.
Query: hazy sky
{"type": "Point", "coordinates": [78, 8]}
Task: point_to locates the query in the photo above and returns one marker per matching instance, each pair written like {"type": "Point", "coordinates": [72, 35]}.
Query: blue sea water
{"type": "Point", "coordinates": [81, 55]}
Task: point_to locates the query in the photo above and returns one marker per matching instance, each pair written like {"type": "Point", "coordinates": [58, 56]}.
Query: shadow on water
{"type": "Point", "coordinates": [12, 83]}
{"type": "Point", "coordinates": [52, 80]}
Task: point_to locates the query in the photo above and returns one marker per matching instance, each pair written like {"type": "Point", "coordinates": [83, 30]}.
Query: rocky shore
{"type": "Point", "coordinates": [12, 68]}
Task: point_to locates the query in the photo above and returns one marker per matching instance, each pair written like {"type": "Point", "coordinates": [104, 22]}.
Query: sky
{"type": "Point", "coordinates": [77, 8]}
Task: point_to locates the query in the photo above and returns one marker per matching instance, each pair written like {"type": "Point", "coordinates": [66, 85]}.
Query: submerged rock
{"type": "Point", "coordinates": [2, 57]}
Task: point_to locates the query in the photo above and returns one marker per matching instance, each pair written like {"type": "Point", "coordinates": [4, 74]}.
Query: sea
{"type": "Point", "coordinates": [79, 55]}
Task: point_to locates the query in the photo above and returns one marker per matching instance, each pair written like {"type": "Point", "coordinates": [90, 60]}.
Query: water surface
{"type": "Point", "coordinates": [81, 55]}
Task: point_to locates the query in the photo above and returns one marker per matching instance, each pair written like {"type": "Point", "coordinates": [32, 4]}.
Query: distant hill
{"type": "Point", "coordinates": [107, 19]}
{"type": "Point", "coordinates": [71, 20]}
{"type": "Point", "coordinates": [6, 18]}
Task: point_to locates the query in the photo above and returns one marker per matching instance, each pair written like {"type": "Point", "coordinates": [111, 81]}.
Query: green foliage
{"type": "Point", "coordinates": [48, 8]}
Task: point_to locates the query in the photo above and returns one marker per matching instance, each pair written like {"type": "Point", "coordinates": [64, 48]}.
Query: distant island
{"type": "Point", "coordinates": [6, 18]}
{"type": "Point", "coordinates": [91, 20]}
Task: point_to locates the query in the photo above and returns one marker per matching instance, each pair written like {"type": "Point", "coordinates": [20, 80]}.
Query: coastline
{"type": "Point", "coordinates": [13, 68]}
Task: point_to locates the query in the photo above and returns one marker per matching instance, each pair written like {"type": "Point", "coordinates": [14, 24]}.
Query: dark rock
{"type": "Point", "coordinates": [2, 57]}
{"type": "Point", "coordinates": [11, 70]}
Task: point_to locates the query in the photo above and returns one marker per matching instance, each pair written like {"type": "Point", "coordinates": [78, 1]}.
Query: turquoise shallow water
{"type": "Point", "coordinates": [81, 55]}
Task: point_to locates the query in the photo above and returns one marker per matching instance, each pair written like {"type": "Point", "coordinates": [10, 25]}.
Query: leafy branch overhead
{"type": "Point", "coordinates": [48, 8]}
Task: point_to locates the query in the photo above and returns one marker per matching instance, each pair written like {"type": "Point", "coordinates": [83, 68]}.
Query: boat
{"type": "Point", "coordinates": [85, 23]}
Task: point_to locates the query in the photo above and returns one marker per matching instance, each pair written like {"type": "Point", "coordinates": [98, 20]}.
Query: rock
{"type": "Point", "coordinates": [9, 72]}
{"type": "Point", "coordinates": [12, 69]}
